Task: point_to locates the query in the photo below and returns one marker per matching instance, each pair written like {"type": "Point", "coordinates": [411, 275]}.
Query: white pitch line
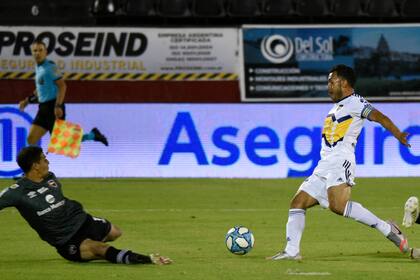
{"type": "Point", "coordinates": [312, 273]}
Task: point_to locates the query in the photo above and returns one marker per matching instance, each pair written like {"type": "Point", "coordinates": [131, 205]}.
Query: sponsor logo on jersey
{"type": "Point", "coordinates": [51, 207]}
{"type": "Point", "coordinates": [32, 194]}
{"type": "Point", "coordinates": [42, 190]}
{"type": "Point", "coordinates": [49, 198]}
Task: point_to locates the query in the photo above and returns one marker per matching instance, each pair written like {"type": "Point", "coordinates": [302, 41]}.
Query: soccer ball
{"type": "Point", "coordinates": [239, 240]}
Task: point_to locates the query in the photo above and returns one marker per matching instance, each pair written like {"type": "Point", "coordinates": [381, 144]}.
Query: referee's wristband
{"type": "Point", "coordinates": [59, 106]}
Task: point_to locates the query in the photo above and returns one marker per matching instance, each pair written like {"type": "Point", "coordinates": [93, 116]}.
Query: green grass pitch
{"type": "Point", "coordinates": [187, 219]}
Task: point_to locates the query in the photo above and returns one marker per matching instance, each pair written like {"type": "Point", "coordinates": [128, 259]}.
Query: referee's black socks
{"type": "Point", "coordinates": [126, 257]}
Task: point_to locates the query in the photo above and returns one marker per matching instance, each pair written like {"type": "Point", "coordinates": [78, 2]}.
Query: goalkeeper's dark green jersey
{"type": "Point", "coordinates": [54, 217]}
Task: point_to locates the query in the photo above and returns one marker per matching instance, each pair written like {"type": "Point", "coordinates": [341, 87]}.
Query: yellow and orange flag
{"type": "Point", "coordinates": [65, 139]}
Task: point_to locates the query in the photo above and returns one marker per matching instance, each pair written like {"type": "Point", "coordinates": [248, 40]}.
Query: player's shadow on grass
{"type": "Point", "coordinates": [367, 257]}
{"type": "Point", "coordinates": [63, 262]}
{"type": "Point", "coordinates": [24, 261]}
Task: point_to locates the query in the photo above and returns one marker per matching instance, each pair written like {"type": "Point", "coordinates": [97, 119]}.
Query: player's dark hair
{"type": "Point", "coordinates": [28, 156]}
{"type": "Point", "coordinates": [345, 72]}
{"type": "Point", "coordinates": [39, 42]}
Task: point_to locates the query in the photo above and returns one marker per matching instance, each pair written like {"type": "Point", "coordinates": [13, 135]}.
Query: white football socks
{"type": "Point", "coordinates": [294, 230]}
{"type": "Point", "coordinates": [357, 212]}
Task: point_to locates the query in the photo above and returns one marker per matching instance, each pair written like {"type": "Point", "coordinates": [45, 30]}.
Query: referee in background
{"type": "Point", "coordinates": [50, 93]}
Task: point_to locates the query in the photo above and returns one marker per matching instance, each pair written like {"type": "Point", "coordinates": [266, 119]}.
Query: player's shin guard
{"type": "Point", "coordinates": [126, 257]}
{"type": "Point", "coordinates": [294, 230]}
{"type": "Point", "coordinates": [357, 212]}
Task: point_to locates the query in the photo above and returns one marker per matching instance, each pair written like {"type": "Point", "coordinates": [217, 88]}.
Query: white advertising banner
{"type": "Point", "coordinates": [212, 140]}
{"type": "Point", "coordinates": [123, 50]}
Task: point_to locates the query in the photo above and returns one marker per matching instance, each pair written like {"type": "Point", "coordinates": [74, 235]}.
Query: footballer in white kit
{"type": "Point", "coordinates": [331, 182]}
{"type": "Point", "coordinates": [342, 127]}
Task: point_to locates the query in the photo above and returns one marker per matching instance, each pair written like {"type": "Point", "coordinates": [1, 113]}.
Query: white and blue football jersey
{"type": "Point", "coordinates": [343, 124]}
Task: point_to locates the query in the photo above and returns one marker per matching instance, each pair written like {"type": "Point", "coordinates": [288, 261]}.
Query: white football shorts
{"type": "Point", "coordinates": [332, 171]}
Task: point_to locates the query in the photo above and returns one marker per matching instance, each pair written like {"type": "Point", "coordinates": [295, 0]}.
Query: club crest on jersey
{"type": "Point", "coordinates": [52, 183]}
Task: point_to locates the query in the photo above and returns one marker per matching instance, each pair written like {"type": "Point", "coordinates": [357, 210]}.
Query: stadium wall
{"type": "Point", "coordinates": [12, 91]}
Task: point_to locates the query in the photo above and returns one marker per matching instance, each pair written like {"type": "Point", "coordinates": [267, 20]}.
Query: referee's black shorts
{"type": "Point", "coordinates": [45, 117]}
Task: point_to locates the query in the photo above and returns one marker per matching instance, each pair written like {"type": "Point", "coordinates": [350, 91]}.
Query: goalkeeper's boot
{"type": "Point", "coordinates": [285, 256]}
{"type": "Point", "coordinates": [411, 211]}
{"type": "Point", "coordinates": [415, 253]}
{"type": "Point", "coordinates": [99, 137]}
{"type": "Point", "coordinates": [397, 237]}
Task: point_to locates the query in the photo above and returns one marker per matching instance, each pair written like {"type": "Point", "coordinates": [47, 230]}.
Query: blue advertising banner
{"type": "Point", "coordinates": [291, 63]}
{"type": "Point", "coordinates": [212, 140]}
